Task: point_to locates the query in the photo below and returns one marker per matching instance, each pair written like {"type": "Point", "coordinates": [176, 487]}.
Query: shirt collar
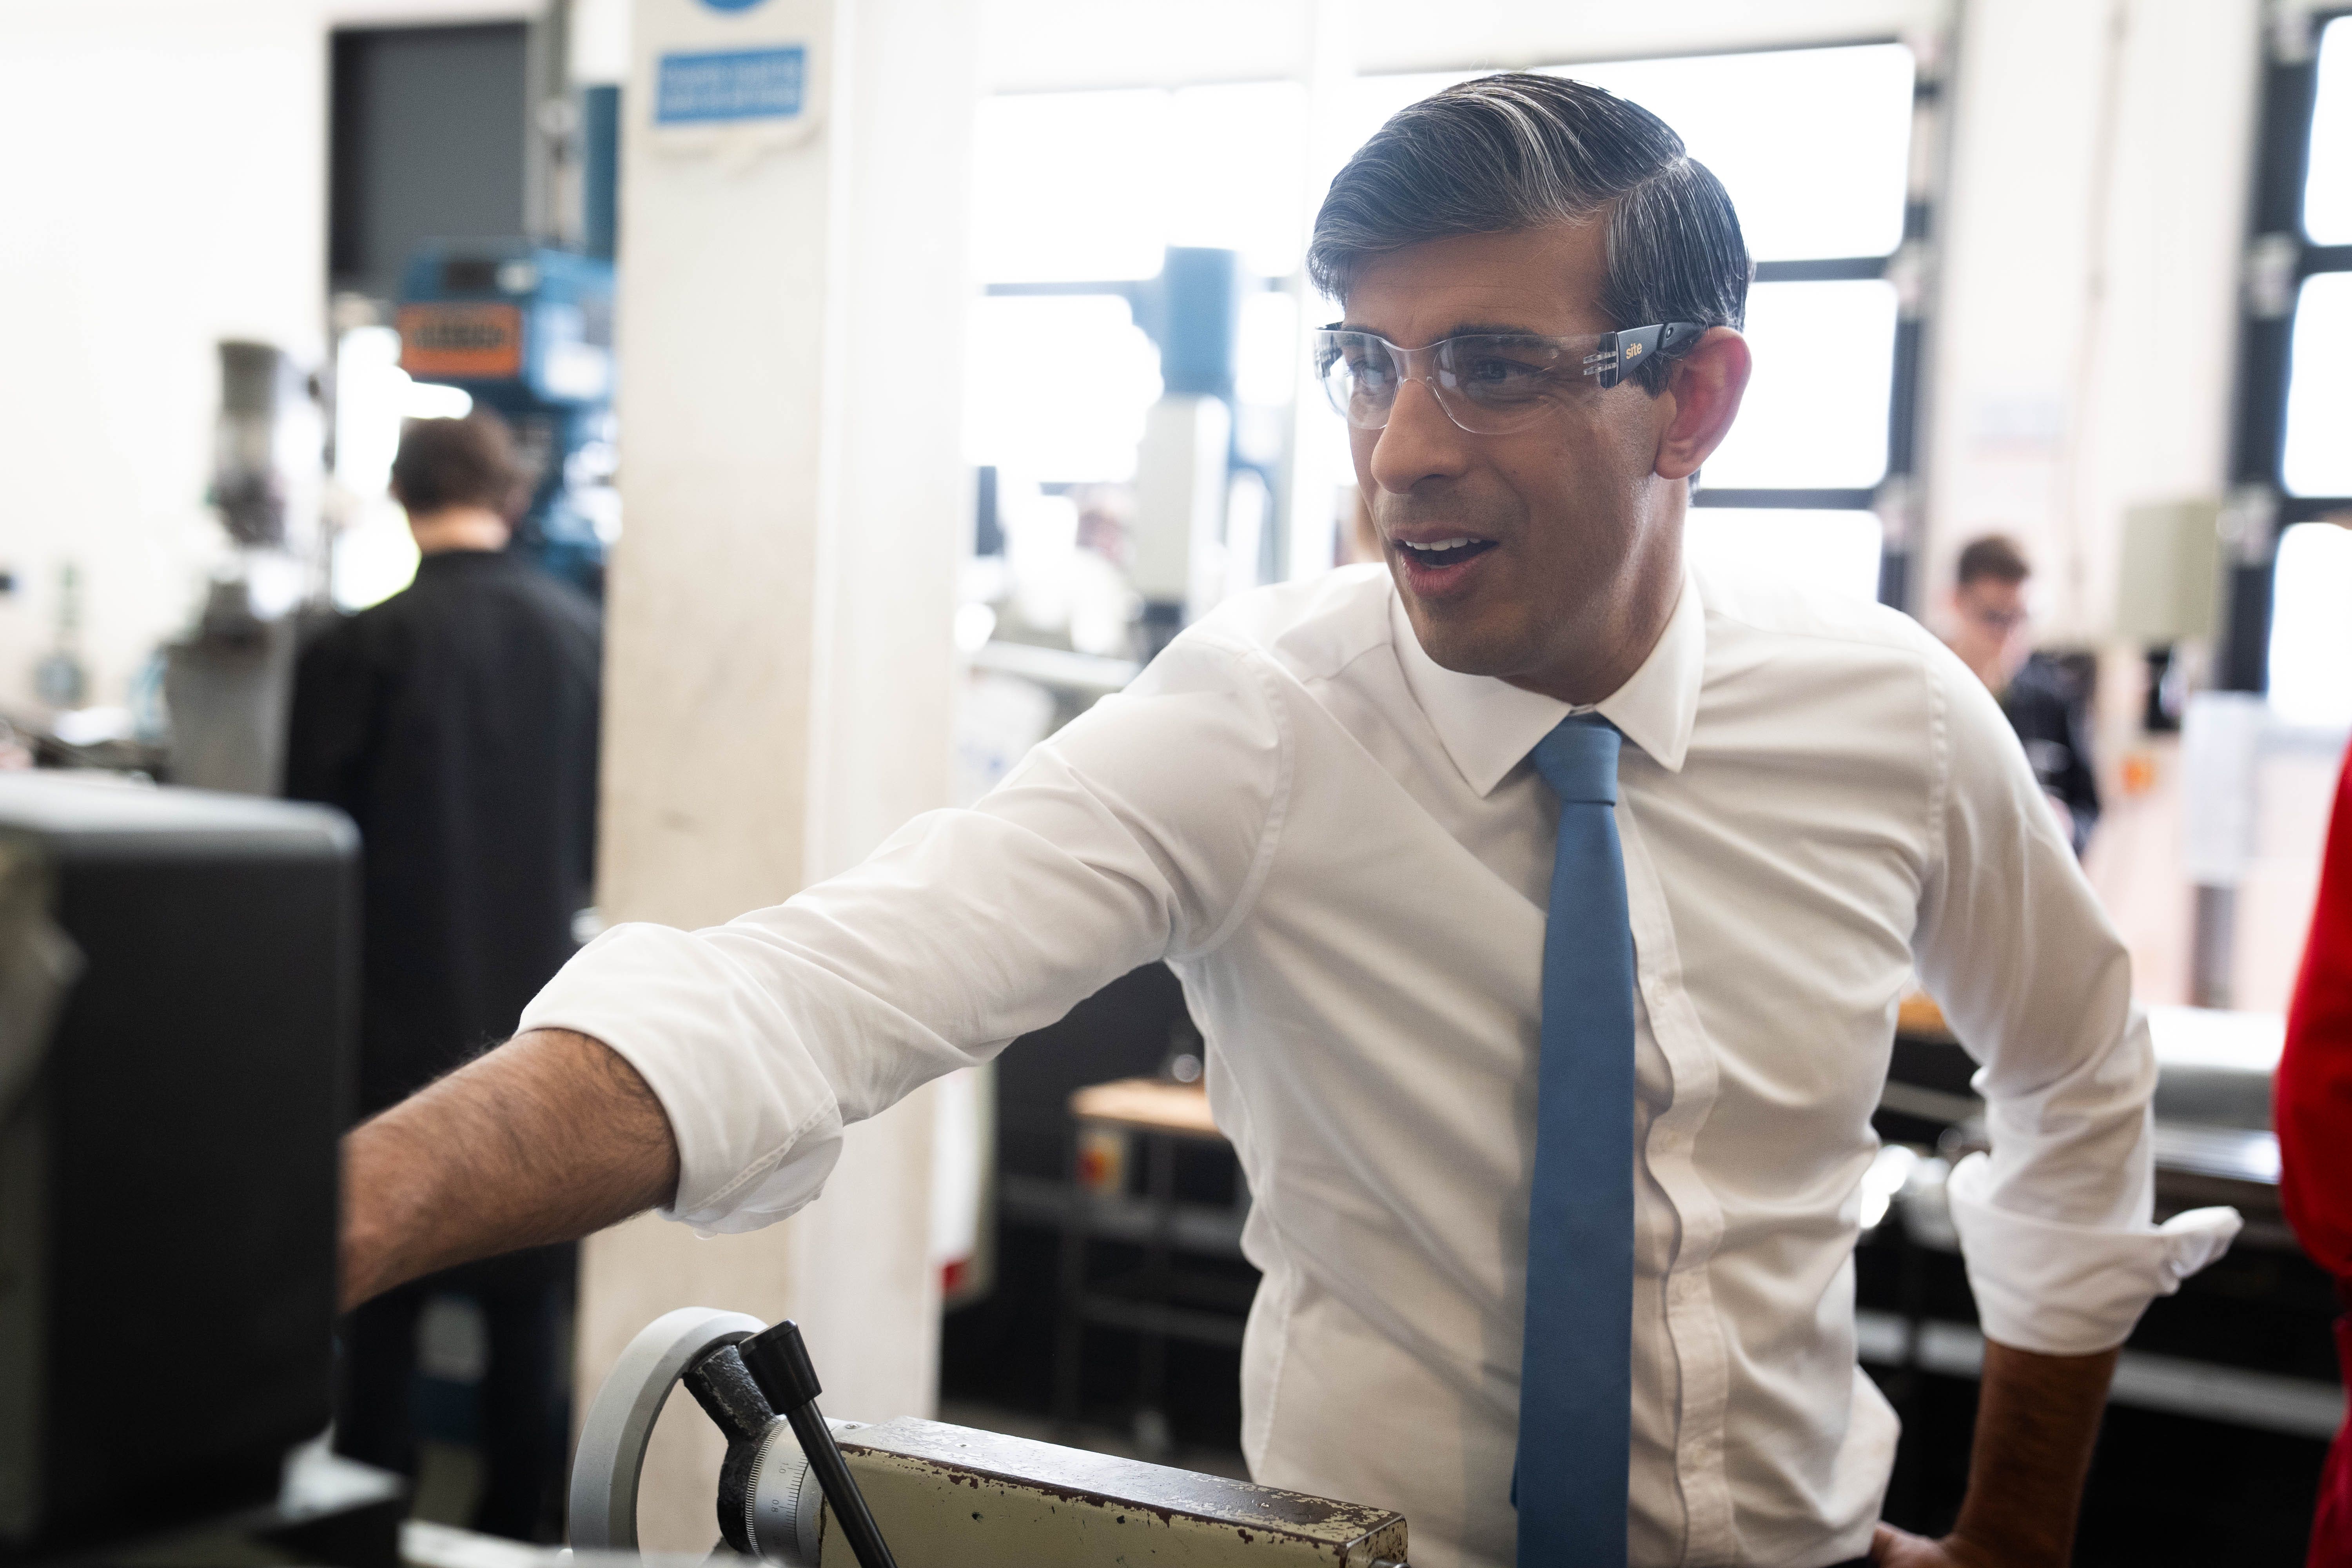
{"type": "Point", "coordinates": [1489, 726]}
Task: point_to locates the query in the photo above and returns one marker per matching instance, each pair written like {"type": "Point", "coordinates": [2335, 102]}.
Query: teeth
{"type": "Point", "coordinates": [1442, 544]}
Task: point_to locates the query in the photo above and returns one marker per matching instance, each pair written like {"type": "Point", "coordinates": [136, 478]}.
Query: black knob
{"type": "Point", "coordinates": [779, 1362]}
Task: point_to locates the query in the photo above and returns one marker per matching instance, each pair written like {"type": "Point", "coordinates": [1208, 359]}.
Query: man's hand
{"type": "Point", "coordinates": [2037, 1417]}
{"type": "Point", "coordinates": [1900, 1549]}
{"type": "Point", "coordinates": [549, 1137]}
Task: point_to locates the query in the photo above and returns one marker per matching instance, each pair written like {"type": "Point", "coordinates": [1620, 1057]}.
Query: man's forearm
{"type": "Point", "coordinates": [549, 1137]}
{"type": "Point", "coordinates": [2037, 1418]}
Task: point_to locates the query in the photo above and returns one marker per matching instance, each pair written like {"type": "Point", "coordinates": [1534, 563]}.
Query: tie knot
{"type": "Point", "coordinates": [1579, 759]}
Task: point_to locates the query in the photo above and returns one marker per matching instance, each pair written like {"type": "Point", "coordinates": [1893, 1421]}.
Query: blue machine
{"type": "Point", "coordinates": [527, 331]}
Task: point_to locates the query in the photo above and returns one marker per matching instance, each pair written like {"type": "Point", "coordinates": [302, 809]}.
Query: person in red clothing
{"type": "Point", "coordinates": [2314, 1117]}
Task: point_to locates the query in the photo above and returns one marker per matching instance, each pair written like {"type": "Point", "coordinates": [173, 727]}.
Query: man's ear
{"type": "Point", "coordinates": [1703, 387]}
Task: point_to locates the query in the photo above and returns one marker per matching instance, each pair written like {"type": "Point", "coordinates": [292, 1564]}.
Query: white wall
{"type": "Point", "coordinates": [165, 188]}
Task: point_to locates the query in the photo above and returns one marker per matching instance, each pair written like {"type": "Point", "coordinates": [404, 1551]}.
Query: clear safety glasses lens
{"type": "Point", "coordinates": [1488, 383]}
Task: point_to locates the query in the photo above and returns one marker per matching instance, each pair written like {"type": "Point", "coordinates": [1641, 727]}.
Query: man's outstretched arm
{"type": "Point", "coordinates": [548, 1138]}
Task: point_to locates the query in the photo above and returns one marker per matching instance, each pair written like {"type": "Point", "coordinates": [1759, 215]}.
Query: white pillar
{"type": "Point", "coordinates": [778, 661]}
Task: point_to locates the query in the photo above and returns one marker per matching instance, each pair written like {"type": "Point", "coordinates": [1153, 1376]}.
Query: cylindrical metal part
{"type": "Point", "coordinates": [784, 1519]}
{"type": "Point", "coordinates": [779, 1362]}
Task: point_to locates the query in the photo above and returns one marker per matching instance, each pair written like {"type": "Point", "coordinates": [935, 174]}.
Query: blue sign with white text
{"type": "Point", "coordinates": [731, 84]}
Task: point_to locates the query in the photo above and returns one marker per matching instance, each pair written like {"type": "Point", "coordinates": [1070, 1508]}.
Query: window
{"type": "Point", "coordinates": [2291, 466]}
{"type": "Point", "coordinates": [1813, 144]}
{"type": "Point", "coordinates": [1064, 187]}
{"type": "Point", "coordinates": [1839, 551]}
{"type": "Point", "coordinates": [1815, 414]}
{"type": "Point", "coordinates": [2316, 459]}
{"type": "Point", "coordinates": [1079, 196]}
{"type": "Point", "coordinates": [1058, 387]}
{"type": "Point", "coordinates": [2311, 636]}
{"type": "Point", "coordinates": [2327, 185]}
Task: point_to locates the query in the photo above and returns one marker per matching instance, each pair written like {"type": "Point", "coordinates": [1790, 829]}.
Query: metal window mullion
{"type": "Point", "coordinates": [1823, 269]}
{"type": "Point", "coordinates": [2264, 361]}
{"type": "Point", "coordinates": [2313, 508]}
{"type": "Point", "coordinates": [1912, 269]}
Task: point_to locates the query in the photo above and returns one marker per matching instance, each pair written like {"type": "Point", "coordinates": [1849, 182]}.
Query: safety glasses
{"type": "Point", "coordinates": [1489, 384]}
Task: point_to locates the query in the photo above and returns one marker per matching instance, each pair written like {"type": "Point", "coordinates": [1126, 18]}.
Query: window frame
{"type": "Point", "coordinates": [2279, 258]}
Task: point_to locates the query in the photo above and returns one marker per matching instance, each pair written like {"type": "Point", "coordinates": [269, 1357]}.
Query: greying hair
{"type": "Point", "coordinates": [1517, 150]}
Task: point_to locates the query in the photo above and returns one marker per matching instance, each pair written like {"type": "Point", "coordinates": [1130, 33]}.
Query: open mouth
{"type": "Point", "coordinates": [1445, 551]}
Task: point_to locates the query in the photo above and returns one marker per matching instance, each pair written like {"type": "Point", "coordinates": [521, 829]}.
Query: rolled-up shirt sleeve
{"type": "Point", "coordinates": [1140, 831]}
{"type": "Point", "coordinates": [2055, 1223]}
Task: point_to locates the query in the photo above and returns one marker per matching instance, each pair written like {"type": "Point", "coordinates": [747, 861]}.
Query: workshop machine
{"type": "Point", "coordinates": [526, 330]}
{"type": "Point", "coordinates": [178, 974]}
{"type": "Point", "coordinates": [228, 680]}
{"type": "Point", "coordinates": [800, 1491]}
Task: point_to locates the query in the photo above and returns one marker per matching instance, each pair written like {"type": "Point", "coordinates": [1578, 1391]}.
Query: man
{"type": "Point", "coordinates": [456, 724]}
{"type": "Point", "coordinates": [1989, 632]}
{"type": "Point", "coordinates": [1546, 908]}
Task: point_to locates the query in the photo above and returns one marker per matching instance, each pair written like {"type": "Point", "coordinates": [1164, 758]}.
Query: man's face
{"type": "Point", "coordinates": [1991, 628]}
{"type": "Point", "coordinates": [1575, 529]}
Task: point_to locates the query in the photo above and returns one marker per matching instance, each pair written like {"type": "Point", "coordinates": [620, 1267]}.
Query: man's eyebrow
{"type": "Point", "coordinates": [1493, 329]}
{"type": "Point", "coordinates": [1459, 330]}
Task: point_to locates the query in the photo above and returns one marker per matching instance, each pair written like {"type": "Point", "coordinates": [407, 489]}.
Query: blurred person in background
{"type": "Point", "coordinates": [1990, 631]}
{"type": "Point", "coordinates": [2314, 1117]}
{"type": "Point", "coordinates": [456, 724]}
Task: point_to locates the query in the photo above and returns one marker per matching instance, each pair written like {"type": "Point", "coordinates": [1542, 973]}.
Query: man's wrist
{"type": "Point", "coordinates": [545, 1139]}
{"type": "Point", "coordinates": [371, 1259]}
{"type": "Point", "coordinates": [2037, 1418]}
{"type": "Point", "coordinates": [2014, 1550]}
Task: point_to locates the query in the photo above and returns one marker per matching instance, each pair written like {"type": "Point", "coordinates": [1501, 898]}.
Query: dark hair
{"type": "Point", "coordinates": [1996, 556]}
{"type": "Point", "coordinates": [1517, 150]}
{"type": "Point", "coordinates": [458, 462]}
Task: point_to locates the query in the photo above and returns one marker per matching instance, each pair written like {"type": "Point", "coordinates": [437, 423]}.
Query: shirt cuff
{"type": "Point", "coordinates": [2056, 1289]}
{"type": "Point", "coordinates": [757, 1126]}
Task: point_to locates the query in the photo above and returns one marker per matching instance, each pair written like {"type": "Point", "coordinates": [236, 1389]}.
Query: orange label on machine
{"type": "Point", "coordinates": [468, 342]}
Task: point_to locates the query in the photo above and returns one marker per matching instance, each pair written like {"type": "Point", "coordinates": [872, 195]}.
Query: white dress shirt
{"type": "Point", "coordinates": [1340, 848]}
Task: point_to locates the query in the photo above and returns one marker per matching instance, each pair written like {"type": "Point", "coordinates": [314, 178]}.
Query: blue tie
{"type": "Point", "coordinates": [1576, 1379]}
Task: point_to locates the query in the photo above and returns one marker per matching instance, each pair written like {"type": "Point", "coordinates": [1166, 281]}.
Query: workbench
{"type": "Point", "coordinates": [1162, 1298]}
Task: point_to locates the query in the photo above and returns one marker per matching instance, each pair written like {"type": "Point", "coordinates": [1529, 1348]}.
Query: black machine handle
{"type": "Point", "coordinates": [779, 1363]}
